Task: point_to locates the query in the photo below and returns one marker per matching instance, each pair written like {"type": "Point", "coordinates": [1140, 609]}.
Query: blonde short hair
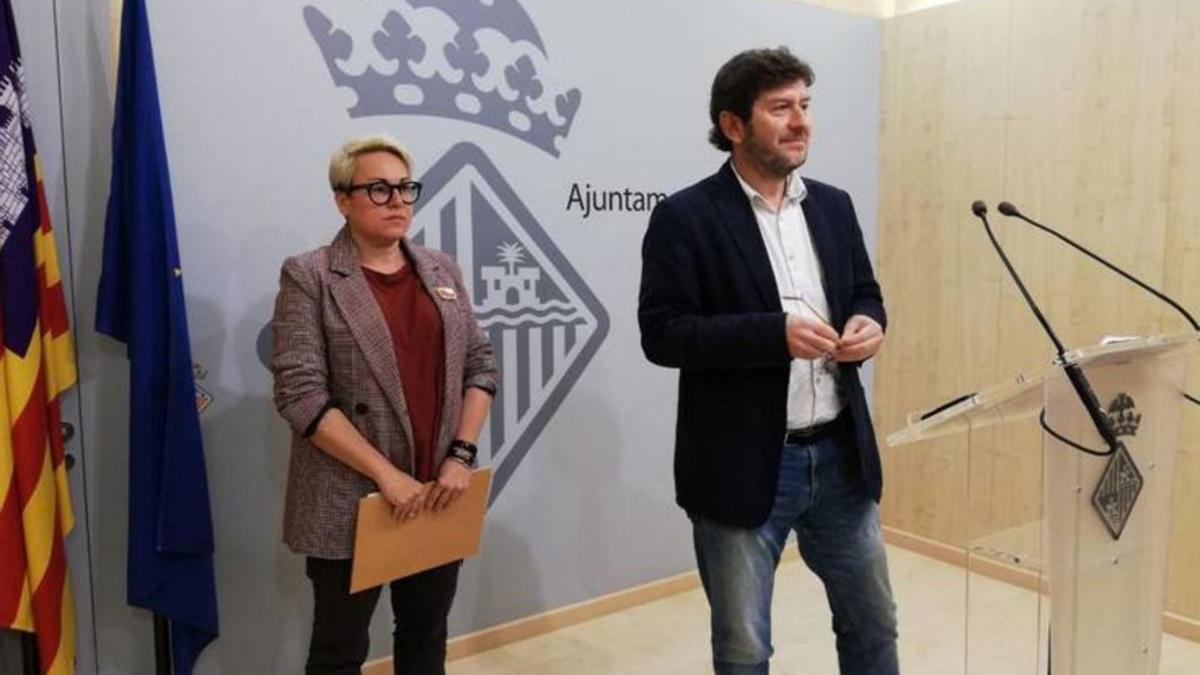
{"type": "Point", "coordinates": [345, 159]}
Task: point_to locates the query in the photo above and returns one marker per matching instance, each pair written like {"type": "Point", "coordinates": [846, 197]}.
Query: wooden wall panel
{"type": "Point", "coordinates": [942, 129]}
{"type": "Point", "coordinates": [1182, 281]}
{"type": "Point", "coordinates": [1081, 112]}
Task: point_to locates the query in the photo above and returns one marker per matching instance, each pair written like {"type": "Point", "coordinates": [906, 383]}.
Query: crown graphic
{"type": "Point", "coordinates": [479, 61]}
{"type": "Point", "coordinates": [1123, 415]}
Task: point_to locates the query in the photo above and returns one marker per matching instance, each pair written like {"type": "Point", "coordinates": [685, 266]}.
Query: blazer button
{"type": "Point", "coordinates": [361, 408]}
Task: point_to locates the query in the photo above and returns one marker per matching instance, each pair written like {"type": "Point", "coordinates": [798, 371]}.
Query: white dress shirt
{"type": "Point", "coordinates": [813, 394]}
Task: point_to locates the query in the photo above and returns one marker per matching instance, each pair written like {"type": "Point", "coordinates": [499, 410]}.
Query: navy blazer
{"type": "Point", "coordinates": [709, 306]}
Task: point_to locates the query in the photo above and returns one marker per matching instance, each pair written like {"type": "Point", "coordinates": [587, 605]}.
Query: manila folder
{"type": "Point", "coordinates": [386, 549]}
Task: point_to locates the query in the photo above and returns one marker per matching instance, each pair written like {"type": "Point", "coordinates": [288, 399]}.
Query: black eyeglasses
{"type": "Point", "coordinates": [380, 191]}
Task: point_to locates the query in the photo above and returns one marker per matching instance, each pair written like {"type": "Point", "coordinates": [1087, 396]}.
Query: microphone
{"type": "Point", "coordinates": [1011, 211]}
{"type": "Point", "coordinates": [1075, 375]}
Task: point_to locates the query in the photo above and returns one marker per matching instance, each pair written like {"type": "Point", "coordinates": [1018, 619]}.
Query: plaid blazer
{"type": "Point", "coordinates": [332, 348]}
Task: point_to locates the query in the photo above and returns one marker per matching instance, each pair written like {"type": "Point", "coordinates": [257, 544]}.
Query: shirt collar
{"type": "Point", "coordinates": [793, 191]}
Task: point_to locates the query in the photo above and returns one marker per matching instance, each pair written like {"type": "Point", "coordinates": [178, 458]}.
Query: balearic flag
{"type": "Point", "coordinates": [37, 364]}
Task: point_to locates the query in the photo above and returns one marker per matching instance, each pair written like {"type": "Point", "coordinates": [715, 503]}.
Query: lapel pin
{"type": "Point", "coordinates": [446, 293]}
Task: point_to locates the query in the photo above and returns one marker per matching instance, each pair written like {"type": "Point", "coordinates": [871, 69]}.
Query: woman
{"type": "Point", "coordinates": [385, 378]}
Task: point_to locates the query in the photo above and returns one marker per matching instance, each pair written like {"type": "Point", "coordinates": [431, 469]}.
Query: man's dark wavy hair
{"type": "Point", "coordinates": [740, 81]}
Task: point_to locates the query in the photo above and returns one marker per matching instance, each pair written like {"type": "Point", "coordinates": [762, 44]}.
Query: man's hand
{"type": "Point", "coordinates": [861, 339]}
{"type": "Point", "coordinates": [810, 338]}
{"type": "Point", "coordinates": [403, 492]}
{"type": "Point", "coordinates": [453, 479]}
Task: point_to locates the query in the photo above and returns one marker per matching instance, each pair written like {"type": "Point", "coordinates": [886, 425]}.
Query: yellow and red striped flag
{"type": "Point", "coordinates": [37, 364]}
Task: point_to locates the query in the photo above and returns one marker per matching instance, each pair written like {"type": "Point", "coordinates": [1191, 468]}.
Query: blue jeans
{"type": "Point", "coordinates": [822, 498]}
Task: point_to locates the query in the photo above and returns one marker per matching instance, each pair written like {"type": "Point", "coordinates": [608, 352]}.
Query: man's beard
{"type": "Point", "coordinates": [774, 163]}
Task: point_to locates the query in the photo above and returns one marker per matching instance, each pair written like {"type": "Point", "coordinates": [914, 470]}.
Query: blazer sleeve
{"type": "Point", "coordinates": [866, 297]}
{"type": "Point", "coordinates": [480, 370]}
{"type": "Point", "coordinates": [676, 330]}
{"type": "Point", "coordinates": [298, 358]}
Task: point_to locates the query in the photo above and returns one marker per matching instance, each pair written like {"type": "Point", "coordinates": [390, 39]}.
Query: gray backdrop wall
{"type": "Point", "coordinates": [603, 97]}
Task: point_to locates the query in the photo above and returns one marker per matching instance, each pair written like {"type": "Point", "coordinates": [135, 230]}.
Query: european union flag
{"type": "Point", "coordinates": [141, 303]}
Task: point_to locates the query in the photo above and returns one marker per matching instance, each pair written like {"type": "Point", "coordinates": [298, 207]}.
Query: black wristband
{"type": "Point", "coordinates": [316, 420]}
{"type": "Point", "coordinates": [463, 451]}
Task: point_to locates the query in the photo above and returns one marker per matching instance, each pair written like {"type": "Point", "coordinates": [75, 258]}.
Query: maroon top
{"type": "Point", "coordinates": [416, 328]}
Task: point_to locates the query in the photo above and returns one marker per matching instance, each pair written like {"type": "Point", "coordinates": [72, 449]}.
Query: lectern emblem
{"type": "Point", "coordinates": [1121, 482]}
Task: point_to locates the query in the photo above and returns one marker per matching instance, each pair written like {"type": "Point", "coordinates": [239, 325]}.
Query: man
{"type": "Point", "coordinates": [757, 286]}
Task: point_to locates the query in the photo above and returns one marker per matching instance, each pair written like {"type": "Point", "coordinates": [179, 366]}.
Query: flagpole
{"type": "Point", "coordinates": [162, 645]}
{"type": "Point", "coordinates": [29, 654]}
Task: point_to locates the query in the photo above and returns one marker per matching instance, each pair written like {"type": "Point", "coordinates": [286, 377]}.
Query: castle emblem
{"type": "Point", "coordinates": [544, 323]}
{"type": "Point", "coordinates": [508, 285]}
{"type": "Point", "coordinates": [14, 122]}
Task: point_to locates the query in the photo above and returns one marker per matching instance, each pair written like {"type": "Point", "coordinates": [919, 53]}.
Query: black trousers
{"type": "Point", "coordinates": [341, 619]}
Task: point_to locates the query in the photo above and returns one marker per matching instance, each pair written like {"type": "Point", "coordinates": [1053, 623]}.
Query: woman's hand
{"type": "Point", "coordinates": [407, 496]}
{"type": "Point", "coordinates": [453, 479]}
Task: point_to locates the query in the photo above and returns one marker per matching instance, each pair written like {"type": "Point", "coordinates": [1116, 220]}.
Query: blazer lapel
{"type": "Point", "coordinates": [365, 320]}
{"type": "Point", "coordinates": [825, 244]}
{"type": "Point", "coordinates": [738, 217]}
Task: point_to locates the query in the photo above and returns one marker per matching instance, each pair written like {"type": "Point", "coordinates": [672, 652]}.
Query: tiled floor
{"type": "Point", "coordinates": [670, 637]}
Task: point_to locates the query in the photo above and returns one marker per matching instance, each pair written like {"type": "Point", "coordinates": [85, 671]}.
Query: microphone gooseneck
{"type": "Point", "coordinates": [1011, 211]}
{"type": "Point", "coordinates": [1074, 373]}
{"type": "Point", "coordinates": [980, 211]}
